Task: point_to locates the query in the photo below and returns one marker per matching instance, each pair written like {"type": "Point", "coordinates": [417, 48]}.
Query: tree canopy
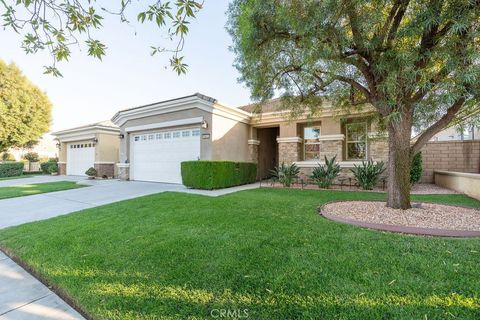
{"type": "Point", "coordinates": [414, 61]}
{"type": "Point", "coordinates": [57, 25]}
{"type": "Point", "coordinates": [25, 111]}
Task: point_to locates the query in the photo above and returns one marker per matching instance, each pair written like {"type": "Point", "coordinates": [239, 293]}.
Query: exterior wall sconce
{"type": "Point", "coordinates": [204, 124]}
{"type": "Point", "coordinates": [58, 145]}
{"type": "Point", "coordinates": [121, 136]}
{"type": "Point", "coordinates": [95, 140]}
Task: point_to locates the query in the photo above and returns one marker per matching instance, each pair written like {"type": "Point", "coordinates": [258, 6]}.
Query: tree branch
{"type": "Point", "coordinates": [438, 126]}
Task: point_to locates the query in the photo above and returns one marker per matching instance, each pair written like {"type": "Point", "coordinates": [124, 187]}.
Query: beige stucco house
{"type": "Point", "coordinates": [95, 145]}
{"type": "Point", "coordinates": [156, 138]}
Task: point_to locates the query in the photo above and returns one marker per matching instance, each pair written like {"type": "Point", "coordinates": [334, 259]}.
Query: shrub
{"type": "Point", "coordinates": [211, 175]}
{"type": "Point", "coordinates": [49, 167]}
{"type": "Point", "coordinates": [416, 168]}
{"type": "Point", "coordinates": [11, 169]}
{"type": "Point", "coordinates": [368, 173]}
{"type": "Point", "coordinates": [323, 175]}
{"type": "Point", "coordinates": [91, 172]}
{"type": "Point", "coordinates": [31, 157]}
{"type": "Point", "coordinates": [285, 174]}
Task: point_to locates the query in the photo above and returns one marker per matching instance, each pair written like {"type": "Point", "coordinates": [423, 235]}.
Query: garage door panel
{"type": "Point", "coordinates": [159, 159]}
{"type": "Point", "coordinates": [80, 157]}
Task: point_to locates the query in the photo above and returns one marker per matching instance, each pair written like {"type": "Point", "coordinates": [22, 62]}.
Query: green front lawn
{"type": "Point", "coordinates": [31, 189]}
{"type": "Point", "coordinates": [266, 251]}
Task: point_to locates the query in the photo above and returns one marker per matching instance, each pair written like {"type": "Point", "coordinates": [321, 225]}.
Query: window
{"type": "Point", "coordinates": [356, 142]}
{"type": "Point", "coordinates": [144, 138]}
{"type": "Point", "coordinates": [185, 134]}
{"type": "Point", "coordinates": [176, 134]}
{"type": "Point", "coordinates": [311, 143]}
{"type": "Point", "coordinates": [167, 135]}
{"type": "Point", "coordinates": [196, 133]}
{"type": "Point", "coordinates": [151, 137]}
{"type": "Point", "coordinates": [137, 138]}
{"type": "Point", "coordinates": [159, 136]}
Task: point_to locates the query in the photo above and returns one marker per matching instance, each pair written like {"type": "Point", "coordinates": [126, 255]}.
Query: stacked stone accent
{"type": "Point", "coordinates": [459, 156]}
{"type": "Point", "coordinates": [289, 152]}
{"type": "Point", "coordinates": [253, 150]}
{"type": "Point", "coordinates": [378, 150]}
{"type": "Point", "coordinates": [123, 171]}
{"type": "Point", "coordinates": [62, 169]}
{"type": "Point", "coordinates": [330, 149]}
{"type": "Point", "coordinates": [104, 169]}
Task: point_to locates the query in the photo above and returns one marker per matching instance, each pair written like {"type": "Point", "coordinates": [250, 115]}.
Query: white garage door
{"type": "Point", "coordinates": [80, 157]}
{"type": "Point", "coordinates": [157, 156]}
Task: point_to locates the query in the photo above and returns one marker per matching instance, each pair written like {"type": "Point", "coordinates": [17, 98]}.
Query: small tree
{"type": "Point", "coordinates": [31, 157]}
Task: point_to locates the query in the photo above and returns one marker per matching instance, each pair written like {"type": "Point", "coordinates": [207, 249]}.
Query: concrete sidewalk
{"type": "Point", "coordinates": [21, 295]}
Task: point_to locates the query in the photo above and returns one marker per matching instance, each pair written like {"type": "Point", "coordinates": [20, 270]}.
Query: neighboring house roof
{"type": "Point", "coordinates": [272, 105]}
{"type": "Point", "coordinates": [102, 125]}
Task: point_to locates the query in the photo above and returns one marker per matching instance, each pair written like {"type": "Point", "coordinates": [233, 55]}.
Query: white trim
{"type": "Point", "coordinates": [123, 165]}
{"type": "Point", "coordinates": [191, 102]}
{"type": "Point", "coordinates": [313, 164]}
{"type": "Point", "coordinates": [331, 137]}
{"type": "Point", "coordinates": [95, 128]}
{"type": "Point", "coordinates": [62, 162]}
{"type": "Point", "coordinates": [74, 138]}
{"type": "Point", "coordinates": [103, 162]}
{"type": "Point", "coordinates": [457, 174]}
{"type": "Point", "coordinates": [254, 142]}
{"type": "Point", "coordinates": [165, 124]}
{"type": "Point", "coordinates": [377, 135]}
{"type": "Point", "coordinates": [290, 139]}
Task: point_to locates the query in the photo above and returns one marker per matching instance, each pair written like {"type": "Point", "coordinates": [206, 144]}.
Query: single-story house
{"type": "Point", "coordinates": [156, 138]}
{"type": "Point", "coordinates": [95, 145]}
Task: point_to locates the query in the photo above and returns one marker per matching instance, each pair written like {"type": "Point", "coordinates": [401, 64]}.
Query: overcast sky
{"type": "Point", "coordinates": [128, 76]}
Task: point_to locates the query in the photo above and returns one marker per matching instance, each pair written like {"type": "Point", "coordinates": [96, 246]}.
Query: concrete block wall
{"type": "Point", "coordinates": [459, 156]}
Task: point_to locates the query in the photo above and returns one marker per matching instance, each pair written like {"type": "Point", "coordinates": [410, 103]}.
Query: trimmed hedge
{"type": "Point", "coordinates": [11, 169]}
{"type": "Point", "coordinates": [211, 175]}
{"type": "Point", "coordinates": [49, 167]}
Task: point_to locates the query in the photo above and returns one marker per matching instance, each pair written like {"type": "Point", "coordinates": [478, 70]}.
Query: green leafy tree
{"type": "Point", "coordinates": [413, 61]}
{"type": "Point", "coordinates": [25, 111]}
{"type": "Point", "coordinates": [57, 25]}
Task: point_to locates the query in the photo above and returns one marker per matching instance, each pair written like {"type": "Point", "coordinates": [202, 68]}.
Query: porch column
{"type": "Point", "coordinates": [253, 150]}
{"type": "Point", "coordinates": [289, 149]}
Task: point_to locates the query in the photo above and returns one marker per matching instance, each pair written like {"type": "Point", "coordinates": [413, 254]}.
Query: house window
{"type": "Point", "coordinates": [144, 138]}
{"type": "Point", "coordinates": [151, 137]}
{"type": "Point", "coordinates": [185, 134]}
{"type": "Point", "coordinates": [311, 143]}
{"type": "Point", "coordinates": [137, 138]}
{"type": "Point", "coordinates": [167, 135]}
{"type": "Point", "coordinates": [176, 134]}
{"type": "Point", "coordinates": [159, 136]}
{"type": "Point", "coordinates": [196, 133]}
{"type": "Point", "coordinates": [356, 142]}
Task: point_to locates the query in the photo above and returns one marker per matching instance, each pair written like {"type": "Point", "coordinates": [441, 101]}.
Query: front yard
{"type": "Point", "coordinates": [31, 189]}
{"type": "Point", "coordinates": [266, 251]}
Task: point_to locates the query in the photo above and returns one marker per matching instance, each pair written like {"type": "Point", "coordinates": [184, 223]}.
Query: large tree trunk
{"type": "Point", "coordinates": [399, 163]}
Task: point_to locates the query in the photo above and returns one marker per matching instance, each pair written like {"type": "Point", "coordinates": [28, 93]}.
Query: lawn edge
{"type": "Point", "coordinates": [59, 291]}
{"type": "Point", "coordinates": [403, 230]}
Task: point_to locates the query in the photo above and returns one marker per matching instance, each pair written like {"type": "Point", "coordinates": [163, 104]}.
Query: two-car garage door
{"type": "Point", "coordinates": [156, 156]}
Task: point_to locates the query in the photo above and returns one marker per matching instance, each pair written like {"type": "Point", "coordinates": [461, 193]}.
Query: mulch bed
{"type": "Point", "coordinates": [428, 219]}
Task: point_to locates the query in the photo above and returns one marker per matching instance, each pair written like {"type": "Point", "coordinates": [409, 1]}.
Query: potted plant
{"type": "Point", "coordinates": [91, 173]}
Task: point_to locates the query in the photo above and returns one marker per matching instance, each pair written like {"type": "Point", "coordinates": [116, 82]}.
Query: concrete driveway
{"type": "Point", "coordinates": [21, 295]}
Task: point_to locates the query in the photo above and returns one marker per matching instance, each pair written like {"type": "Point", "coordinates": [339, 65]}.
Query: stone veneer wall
{"type": "Point", "coordinates": [62, 169]}
{"type": "Point", "coordinates": [289, 152]}
{"type": "Point", "coordinates": [105, 169]}
{"type": "Point", "coordinates": [459, 156]}
{"type": "Point", "coordinates": [330, 149]}
{"type": "Point", "coordinates": [123, 172]}
{"type": "Point", "coordinates": [253, 153]}
{"type": "Point", "coordinates": [378, 150]}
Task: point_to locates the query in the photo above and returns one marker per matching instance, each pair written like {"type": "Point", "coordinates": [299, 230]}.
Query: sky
{"type": "Point", "coordinates": [92, 91]}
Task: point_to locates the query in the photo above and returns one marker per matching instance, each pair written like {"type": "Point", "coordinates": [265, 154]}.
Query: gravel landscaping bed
{"type": "Point", "coordinates": [429, 215]}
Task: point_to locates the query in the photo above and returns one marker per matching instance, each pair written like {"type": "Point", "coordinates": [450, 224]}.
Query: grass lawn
{"type": "Point", "coordinates": [266, 251]}
{"type": "Point", "coordinates": [31, 189]}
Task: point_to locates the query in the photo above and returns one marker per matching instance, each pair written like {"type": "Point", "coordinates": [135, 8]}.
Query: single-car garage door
{"type": "Point", "coordinates": [157, 156]}
{"type": "Point", "coordinates": [80, 157]}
